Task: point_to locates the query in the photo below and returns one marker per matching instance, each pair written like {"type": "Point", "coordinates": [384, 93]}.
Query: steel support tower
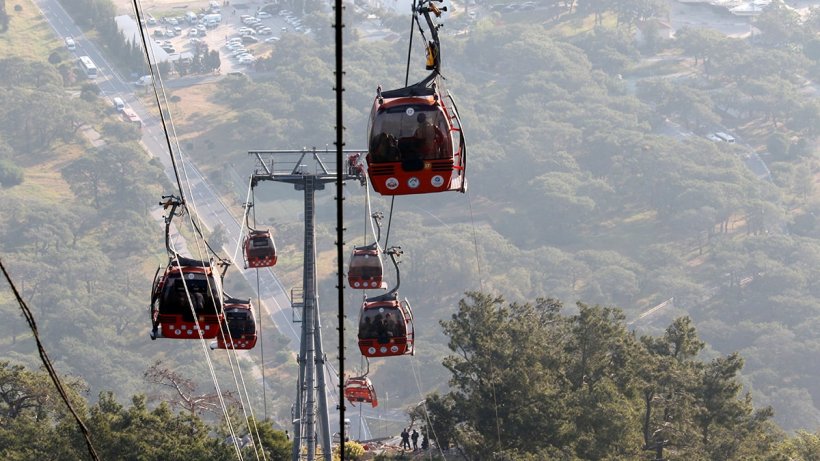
{"type": "Point", "coordinates": [307, 172]}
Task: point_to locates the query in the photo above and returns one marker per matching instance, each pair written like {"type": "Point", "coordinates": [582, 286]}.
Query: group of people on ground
{"type": "Point", "coordinates": [406, 436]}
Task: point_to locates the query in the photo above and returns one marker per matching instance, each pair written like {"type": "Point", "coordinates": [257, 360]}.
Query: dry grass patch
{"type": "Point", "coordinates": [195, 113]}
{"type": "Point", "coordinates": [29, 36]}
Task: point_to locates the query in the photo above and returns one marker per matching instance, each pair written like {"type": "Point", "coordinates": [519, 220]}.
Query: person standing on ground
{"type": "Point", "coordinates": [415, 437]}
{"type": "Point", "coordinates": [405, 439]}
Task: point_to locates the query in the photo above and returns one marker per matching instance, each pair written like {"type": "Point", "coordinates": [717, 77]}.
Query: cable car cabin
{"type": "Point", "coordinates": [260, 251]}
{"type": "Point", "coordinates": [415, 143]}
{"type": "Point", "coordinates": [171, 311]}
{"type": "Point", "coordinates": [360, 389]}
{"type": "Point", "coordinates": [385, 327]}
{"type": "Point", "coordinates": [239, 326]}
{"type": "Point", "coordinates": [366, 269]}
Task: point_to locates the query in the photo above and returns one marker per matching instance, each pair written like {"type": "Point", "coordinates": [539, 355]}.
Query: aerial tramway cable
{"type": "Point", "coordinates": [55, 379]}
{"type": "Point", "coordinates": [208, 358]}
{"type": "Point", "coordinates": [157, 80]}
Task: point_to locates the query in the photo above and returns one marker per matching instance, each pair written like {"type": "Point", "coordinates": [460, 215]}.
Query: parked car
{"type": "Point", "coordinates": [263, 15]}
{"type": "Point", "coordinates": [271, 39]}
{"type": "Point", "coordinates": [266, 31]}
{"type": "Point", "coordinates": [249, 39]}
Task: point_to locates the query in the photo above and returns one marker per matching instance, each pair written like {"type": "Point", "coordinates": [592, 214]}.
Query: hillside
{"type": "Point", "coordinates": [592, 173]}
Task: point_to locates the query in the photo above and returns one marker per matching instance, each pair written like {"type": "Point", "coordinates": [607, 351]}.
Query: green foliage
{"type": "Point", "coordinates": [90, 13]}
{"type": "Point", "coordinates": [35, 426]}
{"type": "Point", "coordinates": [778, 145]}
{"type": "Point", "coordinates": [10, 174]}
{"type": "Point", "coordinates": [353, 451]}
{"type": "Point", "coordinates": [589, 388]}
{"type": "Point", "coordinates": [121, 132]}
{"type": "Point", "coordinates": [90, 92]}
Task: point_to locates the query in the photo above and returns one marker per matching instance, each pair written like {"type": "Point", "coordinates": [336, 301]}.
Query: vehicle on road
{"type": "Point", "coordinates": [144, 80]}
{"type": "Point", "coordinates": [130, 116]}
{"type": "Point", "coordinates": [119, 104]}
{"type": "Point", "coordinates": [88, 67]}
{"type": "Point", "coordinates": [70, 43]}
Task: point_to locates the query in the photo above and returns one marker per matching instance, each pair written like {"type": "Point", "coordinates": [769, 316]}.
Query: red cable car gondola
{"type": "Point", "coordinates": [385, 327]}
{"type": "Point", "coordinates": [260, 250]}
{"type": "Point", "coordinates": [415, 140]}
{"type": "Point", "coordinates": [239, 327]}
{"type": "Point", "coordinates": [366, 270]}
{"type": "Point", "coordinates": [360, 389]}
{"type": "Point", "coordinates": [171, 312]}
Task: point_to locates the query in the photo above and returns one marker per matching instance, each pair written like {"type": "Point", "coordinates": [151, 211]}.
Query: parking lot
{"type": "Point", "coordinates": [242, 33]}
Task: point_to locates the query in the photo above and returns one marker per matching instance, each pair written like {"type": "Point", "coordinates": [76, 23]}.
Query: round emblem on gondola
{"type": "Point", "coordinates": [413, 182]}
{"type": "Point", "coordinates": [394, 349]}
{"type": "Point", "coordinates": [437, 181]}
{"type": "Point", "coordinates": [410, 111]}
{"type": "Point", "coordinates": [371, 350]}
{"type": "Point", "coordinates": [392, 183]}
{"type": "Point", "coordinates": [190, 276]}
{"type": "Point", "coordinates": [382, 349]}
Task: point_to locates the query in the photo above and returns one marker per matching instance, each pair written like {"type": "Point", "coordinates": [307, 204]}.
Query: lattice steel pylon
{"type": "Point", "coordinates": [307, 172]}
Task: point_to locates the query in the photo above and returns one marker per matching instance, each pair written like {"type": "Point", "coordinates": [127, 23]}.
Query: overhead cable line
{"type": "Point", "coordinates": [49, 367]}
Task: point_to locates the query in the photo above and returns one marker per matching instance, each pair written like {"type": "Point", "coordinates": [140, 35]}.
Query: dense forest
{"type": "Point", "coordinates": [582, 189]}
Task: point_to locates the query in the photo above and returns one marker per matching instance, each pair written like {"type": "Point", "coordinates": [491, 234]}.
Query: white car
{"type": "Point", "coordinates": [251, 21]}
{"type": "Point", "coordinates": [245, 30]}
{"type": "Point", "coordinates": [263, 15]}
{"type": "Point", "coordinates": [266, 31]}
{"type": "Point", "coordinates": [238, 52]}
{"type": "Point", "coordinates": [283, 12]}
{"type": "Point", "coordinates": [271, 39]}
{"type": "Point", "coordinates": [70, 43]}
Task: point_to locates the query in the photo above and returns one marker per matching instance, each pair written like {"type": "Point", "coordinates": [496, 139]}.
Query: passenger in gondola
{"type": "Point", "coordinates": [390, 324]}
{"type": "Point", "coordinates": [366, 328]}
{"type": "Point", "coordinates": [385, 148]}
{"type": "Point", "coordinates": [199, 301]}
{"type": "Point", "coordinates": [382, 335]}
{"type": "Point", "coordinates": [428, 136]}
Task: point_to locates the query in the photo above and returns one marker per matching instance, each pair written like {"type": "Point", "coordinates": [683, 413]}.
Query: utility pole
{"type": "Point", "coordinates": [307, 172]}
